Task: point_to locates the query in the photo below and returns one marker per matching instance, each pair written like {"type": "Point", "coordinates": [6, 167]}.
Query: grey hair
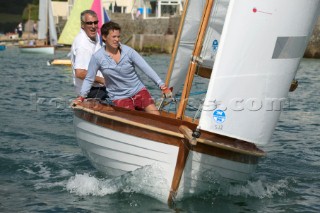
{"type": "Point", "coordinates": [90, 12]}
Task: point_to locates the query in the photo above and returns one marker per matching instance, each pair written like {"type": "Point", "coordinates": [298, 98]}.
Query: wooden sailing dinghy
{"type": "Point", "coordinates": [251, 52]}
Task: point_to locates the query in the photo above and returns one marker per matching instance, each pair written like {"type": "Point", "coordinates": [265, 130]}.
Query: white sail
{"type": "Point", "coordinates": [52, 26]}
{"type": "Point", "coordinates": [43, 19]}
{"type": "Point", "coordinates": [46, 22]}
{"type": "Point", "coordinates": [213, 33]}
{"type": "Point", "coordinates": [186, 44]}
{"type": "Point", "coordinates": [260, 49]}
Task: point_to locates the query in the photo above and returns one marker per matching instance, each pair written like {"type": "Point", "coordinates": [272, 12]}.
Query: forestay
{"type": "Point", "coordinates": [261, 46]}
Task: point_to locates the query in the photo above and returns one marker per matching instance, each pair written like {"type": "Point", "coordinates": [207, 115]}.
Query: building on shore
{"type": "Point", "coordinates": [146, 9]}
{"type": "Point", "coordinates": [145, 22]}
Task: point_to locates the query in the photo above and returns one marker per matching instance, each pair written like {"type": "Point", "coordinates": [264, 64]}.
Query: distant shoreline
{"type": "Point", "coordinates": [151, 44]}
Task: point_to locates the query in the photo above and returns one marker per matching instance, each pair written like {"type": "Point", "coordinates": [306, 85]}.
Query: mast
{"type": "Point", "coordinates": [195, 55]}
{"type": "Point", "coordinates": [47, 42]}
{"type": "Point", "coordinates": [29, 17]}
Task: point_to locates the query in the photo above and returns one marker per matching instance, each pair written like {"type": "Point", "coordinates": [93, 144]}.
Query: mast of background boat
{"type": "Point", "coordinates": [47, 30]}
{"type": "Point", "coordinates": [176, 45]}
{"type": "Point", "coordinates": [29, 18]}
{"type": "Point", "coordinates": [195, 55]}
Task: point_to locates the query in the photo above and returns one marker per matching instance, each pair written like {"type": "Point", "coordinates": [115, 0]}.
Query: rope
{"type": "Point", "coordinates": [194, 93]}
{"type": "Point", "coordinates": [190, 107]}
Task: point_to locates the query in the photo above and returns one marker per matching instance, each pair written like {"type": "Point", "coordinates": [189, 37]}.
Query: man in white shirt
{"type": "Point", "coordinates": [84, 45]}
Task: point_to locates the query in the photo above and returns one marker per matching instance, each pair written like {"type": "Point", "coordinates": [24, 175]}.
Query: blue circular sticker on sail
{"type": "Point", "coordinates": [219, 116]}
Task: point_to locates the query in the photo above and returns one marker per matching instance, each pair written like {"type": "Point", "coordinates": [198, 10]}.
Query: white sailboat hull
{"type": "Point", "coordinates": [108, 151]}
{"type": "Point", "coordinates": [37, 49]}
{"type": "Point", "coordinates": [116, 153]}
{"type": "Point", "coordinates": [203, 171]}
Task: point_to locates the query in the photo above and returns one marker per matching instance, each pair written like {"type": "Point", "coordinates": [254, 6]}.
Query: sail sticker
{"type": "Point", "coordinates": [219, 116]}
{"type": "Point", "coordinates": [215, 45]}
{"type": "Point", "coordinates": [255, 10]}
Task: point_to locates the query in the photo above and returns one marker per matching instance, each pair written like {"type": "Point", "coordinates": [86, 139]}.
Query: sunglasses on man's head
{"type": "Point", "coordinates": [91, 22]}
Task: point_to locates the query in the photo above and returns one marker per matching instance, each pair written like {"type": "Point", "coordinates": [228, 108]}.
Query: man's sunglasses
{"type": "Point", "coordinates": [91, 22]}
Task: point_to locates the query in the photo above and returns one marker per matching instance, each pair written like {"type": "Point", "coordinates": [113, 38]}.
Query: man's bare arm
{"type": "Point", "coordinates": [81, 73]}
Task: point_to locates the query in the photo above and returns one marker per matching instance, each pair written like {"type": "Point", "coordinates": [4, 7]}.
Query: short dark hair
{"type": "Point", "coordinates": [83, 14]}
{"type": "Point", "coordinates": [106, 27]}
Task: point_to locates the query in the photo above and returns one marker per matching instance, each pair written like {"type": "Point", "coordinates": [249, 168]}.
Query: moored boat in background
{"type": "Point", "coordinates": [44, 49]}
{"type": "Point", "coordinates": [3, 47]}
{"type": "Point", "coordinates": [47, 34]}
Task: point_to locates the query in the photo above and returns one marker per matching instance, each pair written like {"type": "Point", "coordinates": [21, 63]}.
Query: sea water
{"type": "Point", "coordinates": [42, 168]}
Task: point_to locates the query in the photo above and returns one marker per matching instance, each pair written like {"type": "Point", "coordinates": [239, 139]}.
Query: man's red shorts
{"type": "Point", "coordinates": [139, 101]}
